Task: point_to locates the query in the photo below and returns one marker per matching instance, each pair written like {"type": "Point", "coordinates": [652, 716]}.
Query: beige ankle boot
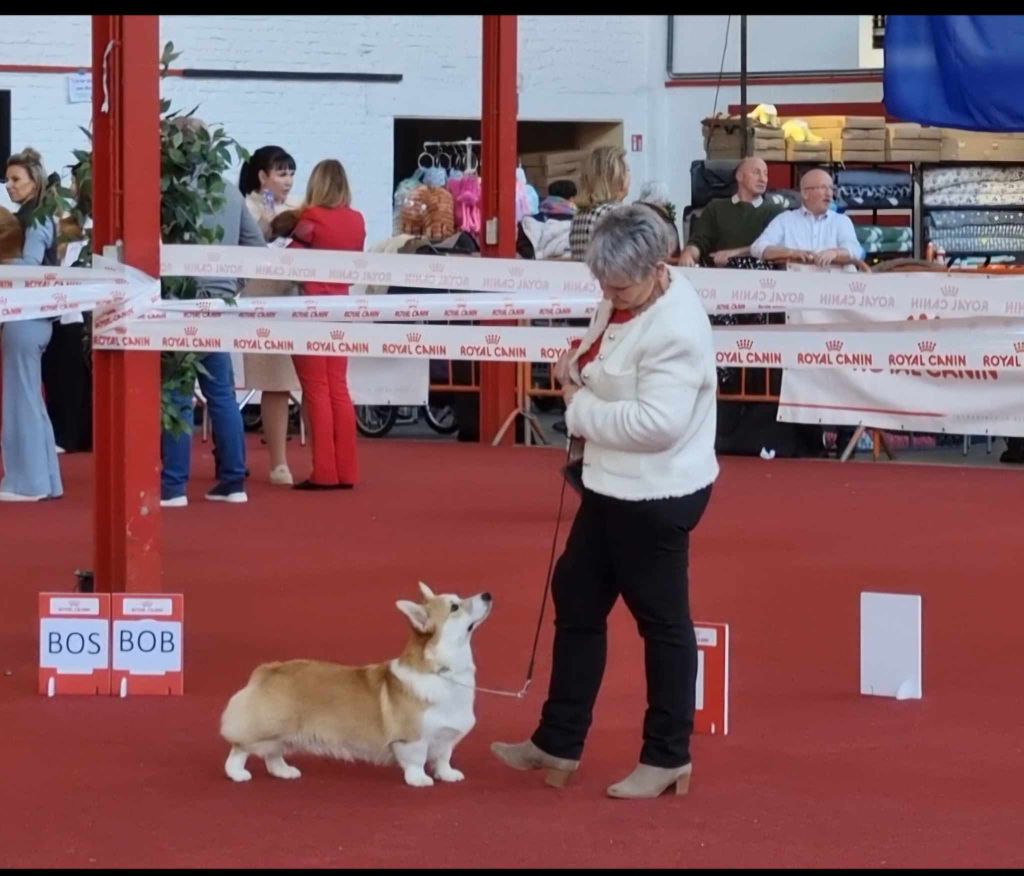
{"type": "Point", "coordinates": [527, 756]}
{"type": "Point", "coordinates": [651, 781]}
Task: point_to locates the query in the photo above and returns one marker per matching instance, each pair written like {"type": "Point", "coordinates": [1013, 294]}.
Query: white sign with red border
{"type": "Point", "coordinates": [147, 644]}
{"type": "Point", "coordinates": [74, 643]}
{"type": "Point", "coordinates": [711, 714]}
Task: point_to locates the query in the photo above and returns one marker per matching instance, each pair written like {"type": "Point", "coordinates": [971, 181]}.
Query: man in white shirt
{"type": "Point", "coordinates": [814, 233]}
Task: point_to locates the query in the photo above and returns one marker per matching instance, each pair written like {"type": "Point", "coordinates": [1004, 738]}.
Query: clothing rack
{"type": "Point", "coordinates": [467, 142]}
{"type": "Point", "coordinates": [470, 164]}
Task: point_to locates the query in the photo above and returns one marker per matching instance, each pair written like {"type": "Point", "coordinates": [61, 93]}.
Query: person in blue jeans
{"type": "Point", "coordinates": [218, 388]}
{"type": "Point", "coordinates": [218, 385]}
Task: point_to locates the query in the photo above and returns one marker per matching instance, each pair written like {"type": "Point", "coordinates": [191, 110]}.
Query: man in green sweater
{"type": "Point", "coordinates": [727, 226]}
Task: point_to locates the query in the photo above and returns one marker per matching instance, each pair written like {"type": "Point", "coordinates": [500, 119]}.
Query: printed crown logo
{"type": "Point", "coordinates": [856, 287]}
{"type": "Point", "coordinates": [745, 344]}
{"type": "Point", "coordinates": [263, 332]}
{"type": "Point", "coordinates": [191, 330]}
{"type": "Point", "coordinates": [413, 337]}
{"type": "Point", "coordinates": [515, 272]}
{"type": "Point", "coordinates": [950, 291]}
{"type": "Point", "coordinates": [834, 346]}
{"type": "Point", "coordinates": [926, 346]}
{"type": "Point", "coordinates": [360, 264]}
{"type": "Point", "coordinates": [338, 335]}
{"type": "Point", "coordinates": [1019, 346]}
{"type": "Point", "coordinates": [436, 267]}
{"type": "Point", "coordinates": [205, 305]}
{"type": "Point", "coordinates": [492, 339]}
{"type": "Point", "coordinates": [767, 283]}
{"type": "Point", "coordinates": [213, 256]}
{"type": "Point", "coordinates": [59, 297]}
{"type": "Point", "coordinates": [287, 258]}
{"type": "Point", "coordinates": [3, 301]}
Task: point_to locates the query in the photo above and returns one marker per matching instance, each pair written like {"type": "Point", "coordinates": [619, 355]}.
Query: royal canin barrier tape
{"type": "Point", "coordinates": [971, 344]}
{"type": "Point", "coordinates": [722, 290]}
{"type": "Point", "coordinates": [117, 292]}
{"type": "Point", "coordinates": [132, 317]}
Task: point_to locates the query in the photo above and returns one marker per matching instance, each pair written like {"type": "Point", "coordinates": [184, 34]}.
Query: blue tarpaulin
{"type": "Point", "coordinates": [956, 71]}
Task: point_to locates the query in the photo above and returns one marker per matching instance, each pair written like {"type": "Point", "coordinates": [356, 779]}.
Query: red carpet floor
{"type": "Point", "coordinates": [812, 773]}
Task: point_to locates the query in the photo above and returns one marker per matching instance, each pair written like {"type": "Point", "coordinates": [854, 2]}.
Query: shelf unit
{"type": "Point", "coordinates": [1007, 257]}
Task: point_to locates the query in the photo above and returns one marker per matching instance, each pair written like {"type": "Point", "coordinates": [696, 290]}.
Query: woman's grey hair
{"type": "Point", "coordinates": [627, 245]}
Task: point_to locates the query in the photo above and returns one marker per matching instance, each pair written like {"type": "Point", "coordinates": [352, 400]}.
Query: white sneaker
{"type": "Point", "coordinates": [176, 502]}
{"type": "Point", "coordinates": [281, 476]}
{"type": "Point", "coordinates": [18, 497]}
{"type": "Point", "coordinates": [236, 498]}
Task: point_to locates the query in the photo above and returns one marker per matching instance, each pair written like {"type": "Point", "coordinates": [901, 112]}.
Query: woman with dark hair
{"type": "Point", "coordinates": [31, 471]}
{"type": "Point", "coordinates": [266, 180]}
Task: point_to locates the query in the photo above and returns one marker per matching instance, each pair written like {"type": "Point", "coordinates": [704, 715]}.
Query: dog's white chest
{"type": "Point", "coordinates": [452, 713]}
{"type": "Point", "coordinates": [449, 700]}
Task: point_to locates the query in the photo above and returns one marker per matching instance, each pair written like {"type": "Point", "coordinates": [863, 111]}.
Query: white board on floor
{"type": "Point", "coordinates": [890, 645]}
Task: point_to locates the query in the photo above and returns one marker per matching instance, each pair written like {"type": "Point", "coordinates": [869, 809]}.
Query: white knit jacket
{"type": "Point", "coordinates": [646, 406]}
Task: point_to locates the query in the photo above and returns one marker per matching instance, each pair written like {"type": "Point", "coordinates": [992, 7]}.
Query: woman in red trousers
{"type": "Point", "coordinates": [326, 221]}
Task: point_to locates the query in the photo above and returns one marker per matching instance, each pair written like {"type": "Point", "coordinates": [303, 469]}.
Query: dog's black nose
{"type": "Point", "coordinates": [486, 597]}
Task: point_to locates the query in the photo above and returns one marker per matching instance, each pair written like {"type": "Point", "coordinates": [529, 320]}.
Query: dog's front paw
{"type": "Point", "coordinates": [418, 779]}
{"type": "Point", "coordinates": [449, 774]}
{"type": "Point", "coordinates": [242, 775]}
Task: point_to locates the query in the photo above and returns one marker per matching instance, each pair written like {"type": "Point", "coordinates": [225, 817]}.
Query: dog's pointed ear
{"type": "Point", "coordinates": [426, 591]}
{"type": "Point", "coordinates": [416, 613]}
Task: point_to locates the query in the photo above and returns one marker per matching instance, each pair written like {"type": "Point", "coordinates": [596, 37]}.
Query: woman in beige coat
{"type": "Point", "coordinates": [266, 181]}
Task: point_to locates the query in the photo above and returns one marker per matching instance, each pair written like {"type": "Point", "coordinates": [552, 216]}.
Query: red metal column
{"type": "Point", "coordinates": [126, 386]}
{"type": "Point", "coordinates": [498, 169]}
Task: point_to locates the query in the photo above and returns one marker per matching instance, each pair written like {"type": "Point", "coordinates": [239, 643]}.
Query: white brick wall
{"type": "Point", "coordinates": [579, 68]}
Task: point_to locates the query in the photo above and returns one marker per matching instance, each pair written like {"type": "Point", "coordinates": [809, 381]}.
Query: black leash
{"type": "Point", "coordinates": [544, 599]}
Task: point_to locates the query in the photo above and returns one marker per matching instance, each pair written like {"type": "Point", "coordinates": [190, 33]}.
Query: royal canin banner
{"type": "Point", "coordinates": [888, 296]}
{"type": "Point", "coordinates": [990, 345]}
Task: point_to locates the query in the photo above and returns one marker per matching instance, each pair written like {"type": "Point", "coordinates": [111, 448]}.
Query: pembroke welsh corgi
{"type": "Point", "coordinates": [412, 710]}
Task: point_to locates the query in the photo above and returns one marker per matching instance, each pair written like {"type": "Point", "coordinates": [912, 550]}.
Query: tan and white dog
{"type": "Point", "coordinates": [412, 710]}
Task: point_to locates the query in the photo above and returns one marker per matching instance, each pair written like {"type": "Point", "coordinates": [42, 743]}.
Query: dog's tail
{"type": "Point", "coordinates": [242, 715]}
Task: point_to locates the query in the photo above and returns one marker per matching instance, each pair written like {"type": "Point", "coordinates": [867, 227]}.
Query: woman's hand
{"type": "Point", "coordinates": [561, 369]}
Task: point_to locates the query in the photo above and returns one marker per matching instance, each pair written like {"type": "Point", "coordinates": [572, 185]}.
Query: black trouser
{"type": "Point", "coordinates": [639, 550]}
{"type": "Point", "coordinates": [68, 385]}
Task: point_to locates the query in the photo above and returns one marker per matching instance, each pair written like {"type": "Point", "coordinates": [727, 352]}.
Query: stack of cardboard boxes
{"type": "Point", "coordinates": [980, 146]}
{"type": "Point", "coordinates": [723, 139]}
{"type": "Point", "coordinates": [543, 168]}
{"type": "Point", "coordinates": [863, 139]}
{"type": "Point", "coordinates": [851, 138]}
{"type": "Point", "coordinates": [909, 141]}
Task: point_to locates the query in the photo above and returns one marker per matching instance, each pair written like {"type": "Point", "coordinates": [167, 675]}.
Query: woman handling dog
{"type": "Point", "coordinates": [640, 394]}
